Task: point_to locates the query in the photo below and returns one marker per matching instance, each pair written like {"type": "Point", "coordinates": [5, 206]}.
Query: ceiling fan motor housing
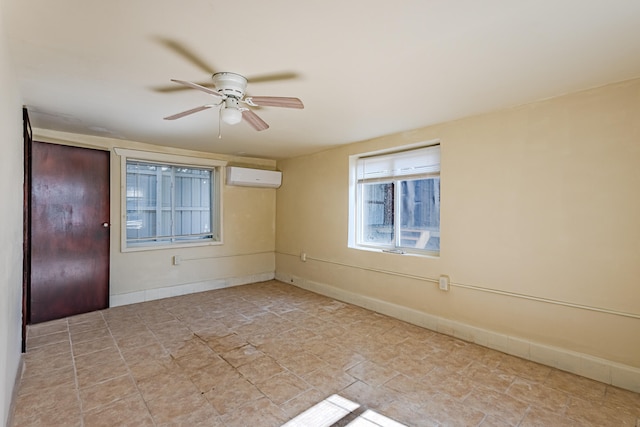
{"type": "Point", "coordinates": [230, 84]}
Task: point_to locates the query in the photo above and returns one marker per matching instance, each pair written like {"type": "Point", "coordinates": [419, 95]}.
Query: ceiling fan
{"type": "Point", "coordinates": [229, 91]}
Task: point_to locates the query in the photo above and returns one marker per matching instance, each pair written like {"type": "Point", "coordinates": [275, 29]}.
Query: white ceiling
{"type": "Point", "coordinates": [363, 68]}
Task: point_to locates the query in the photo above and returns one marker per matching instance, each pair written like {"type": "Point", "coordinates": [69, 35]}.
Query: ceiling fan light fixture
{"type": "Point", "coordinates": [230, 91]}
{"type": "Point", "coordinates": [231, 116]}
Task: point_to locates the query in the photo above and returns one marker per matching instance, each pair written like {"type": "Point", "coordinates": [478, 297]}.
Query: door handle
{"type": "Point", "coordinates": [105, 224]}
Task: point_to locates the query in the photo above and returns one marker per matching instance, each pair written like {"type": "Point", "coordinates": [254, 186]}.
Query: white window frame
{"type": "Point", "coordinates": [215, 166]}
{"type": "Point", "coordinates": [355, 226]}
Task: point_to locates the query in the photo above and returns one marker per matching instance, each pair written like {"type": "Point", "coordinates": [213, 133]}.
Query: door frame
{"type": "Point", "coordinates": [27, 134]}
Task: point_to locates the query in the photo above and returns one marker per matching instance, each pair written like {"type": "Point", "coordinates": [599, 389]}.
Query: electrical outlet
{"type": "Point", "coordinates": [443, 282]}
{"type": "Point", "coordinates": [177, 260]}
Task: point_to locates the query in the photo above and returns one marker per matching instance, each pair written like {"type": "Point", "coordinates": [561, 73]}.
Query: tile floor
{"type": "Point", "coordinates": [258, 355]}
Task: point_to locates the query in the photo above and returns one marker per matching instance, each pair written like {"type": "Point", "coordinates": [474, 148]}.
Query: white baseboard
{"type": "Point", "coordinates": [606, 371]}
{"type": "Point", "coordinates": [185, 289]}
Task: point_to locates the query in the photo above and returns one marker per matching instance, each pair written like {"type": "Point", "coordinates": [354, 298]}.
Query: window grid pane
{"type": "Point", "coordinates": [419, 214]}
{"type": "Point", "coordinates": [377, 213]}
{"type": "Point", "coordinates": [167, 203]}
{"type": "Point", "coordinates": [398, 208]}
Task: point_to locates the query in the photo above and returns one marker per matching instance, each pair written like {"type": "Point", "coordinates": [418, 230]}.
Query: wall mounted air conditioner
{"type": "Point", "coordinates": [247, 177]}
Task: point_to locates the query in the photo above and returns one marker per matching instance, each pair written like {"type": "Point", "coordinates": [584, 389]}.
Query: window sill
{"type": "Point", "coordinates": [403, 251]}
{"type": "Point", "coordinates": [169, 246]}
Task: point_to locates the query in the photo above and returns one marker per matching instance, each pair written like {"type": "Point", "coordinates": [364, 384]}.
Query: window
{"type": "Point", "coordinates": [168, 204]}
{"type": "Point", "coordinates": [397, 201]}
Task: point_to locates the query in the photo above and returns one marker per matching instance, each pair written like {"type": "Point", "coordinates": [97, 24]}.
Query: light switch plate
{"type": "Point", "coordinates": [443, 283]}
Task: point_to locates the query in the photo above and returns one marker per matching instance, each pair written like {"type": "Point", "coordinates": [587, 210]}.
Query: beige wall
{"type": "Point", "coordinates": [248, 229]}
{"type": "Point", "coordinates": [539, 202]}
{"type": "Point", "coordinates": [10, 228]}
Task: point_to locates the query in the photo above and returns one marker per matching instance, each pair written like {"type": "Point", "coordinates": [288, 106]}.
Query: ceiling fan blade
{"type": "Point", "coordinates": [197, 86]}
{"type": "Point", "coordinates": [274, 101]}
{"type": "Point", "coordinates": [174, 88]}
{"type": "Point", "coordinates": [256, 122]}
{"type": "Point", "coordinates": [272, 77]}
{"type": "Point", "coordinates": [187, 54]}
{"type": "Point", "coordinates": [191, 111]}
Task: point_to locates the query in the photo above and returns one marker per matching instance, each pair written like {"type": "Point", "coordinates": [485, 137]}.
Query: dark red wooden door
{"type": "Point", "coordinates": [69, 231]}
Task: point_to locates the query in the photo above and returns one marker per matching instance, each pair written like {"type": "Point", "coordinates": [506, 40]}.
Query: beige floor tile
{"type": "Point", "coordinates": [57, 416]}
{"type": "Point", "coordinates": [372, 373]}
{"type": "Point", "coordinates": [87, 361]}
{"type": "Point", "coordinates": [492, 421]}
{"type": "Point", "coordinates": [106, 392]}
{"type": "Point", "coordinates": [342, 357]}
{"type": "Point", "coordinates": [89, 325]}
{"type": "Point", "coordinates": [147, 368]}
{"type": "Point", "coordinates": [130, 411]}
{"type": "Point", "coordinates": [540, 417]}
{"type": "Point", "coordinates": [156, 316]}
{"type": "Point", "coordinates": [449, 411]}
{"type": "Point", "coordinates": [50, 350]}
{"type": "Point", "coordinates": [79, 337]}
{"type": "Point", "coordinates": [302, 362]}
{"type": "Point", "coordinates": [539, 395]}
{"type": "Point", "coordinates": [598, 414]}
{"type": "Point", "coordinates": [625, 400]}
{"type": "Point", "coordinates": [171, 408]}
{"type": "Point", "coordinates": [497, 404]}
{"type": "Point", "coordinates": [61, 400]}
{"type": "Point", "coordinates": [456, 385]}
{"type": "Point", "coordinates": [282, 387]}
{"type": "Point", "coordinates": [145, 353]}
{"type": "Point", "coordinates": [92, 316]}
{"type": "Point", "coordinates": [205, 415]}
{"type": "Point", "coordinates": [408, 413]}
{"type": "Point", "coordinates": [260, 369]}
{"type": "Point", "coordinates": [580, 387]}
{"type": "Point", "coordinates": [42, 340]}
{"type": "Point", "coordinates": [302, 402]}
{"type": "Point", "coordinates": [141, 338]}
{"type": "Point", "coordinates": [412, 366]}
{"type": "Point", "coordinates": [526, 369]}
{"type": "Point", "coordinates": [95, 374]}
{"type": "Point", "coordinates": [447, 343]}
{"type": "Point", "coordinates": [453, 362]}
{"type": "Point", "coordinates": [47, 328]}
{"type": "Point", "coordinates": [194, 345]}
{"type": "Point", "coordinates": [241, 356]}
{"type": "Point", "coordinates": [92, 346]}
{"type": "Point", "coordinates": [371, 397]}
{"type": "Point", "coordinates": [214, 377]}
{"type": "Point", "coordinates": [122, 328]}
{"type": "Point", "coordinates": [234, 394]}
{"type": "Point", "coordinates": [173, 338]}
{"type": "Point", "coordinates": [195, 361]}
{"type": "Point", "coordinates": [40, 364]}
{"type": "Point", "coordinates": [213, 331]}
{"type": "Point", "coordinates": [165, 384]}
{"type": "Point", "coordinates": [299, 335]}
{"type": "Point", "coordinates": [413, 391]}
{"type": "Point", "coordinates": [227, 343]}
{"type": "Point", "coordinates": [35, 383]}
{"type": "Point", "coordinates": [260, 412]}
{"type": "Point", "coordinates": [329, 380]}
{"type": "Point", "coordinates": [494, 378]}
